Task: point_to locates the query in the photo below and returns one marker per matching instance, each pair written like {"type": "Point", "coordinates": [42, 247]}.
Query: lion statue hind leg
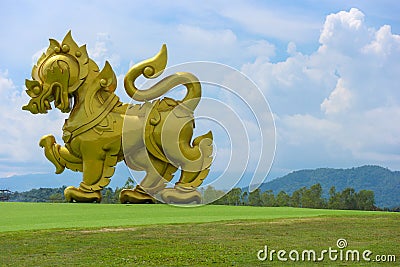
{"type": "Point", "coordinates": [158, 173]}
{"type": "Point", "coordinates": [185, 190]}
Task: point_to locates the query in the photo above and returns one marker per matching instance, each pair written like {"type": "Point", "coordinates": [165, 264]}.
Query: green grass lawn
{"type": "Point", "coordinates": [36, 216]}
{"type": "Point", "coordinates": [159, 235]}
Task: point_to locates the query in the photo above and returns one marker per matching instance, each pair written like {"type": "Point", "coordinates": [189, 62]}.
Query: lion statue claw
{"type": "Point", "coordinates": [155, 136]}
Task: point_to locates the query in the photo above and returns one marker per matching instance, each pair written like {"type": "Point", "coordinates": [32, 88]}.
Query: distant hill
{"type": "Point", "coordinates": [27, 182]}
{"type": "Point", "coordinates": [384, 182]}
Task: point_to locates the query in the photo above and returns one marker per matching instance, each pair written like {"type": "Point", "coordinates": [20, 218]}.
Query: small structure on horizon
{"type": "Point", "coordinates": [5, 194]}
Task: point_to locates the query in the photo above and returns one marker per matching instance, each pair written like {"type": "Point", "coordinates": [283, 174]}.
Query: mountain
{"type": "Point", "coordinates": [384, 182]}
{"type": "Point", "coordinates": [22, 183]}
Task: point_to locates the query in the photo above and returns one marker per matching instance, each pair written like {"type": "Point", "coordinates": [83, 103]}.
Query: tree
{"type": "Point", "coordinates": [108, 196]}
{"type": "Point", "coordinates": [213, 195]}
{"type": "Point", "coordinates": [348, 198]}
{"type": "Point", "coordinates": [296, 198]}
{"type": "Point", "coordinates": [56, 198]}
{"type": "Point", "coordinates": [255, 198]}
{"type": "Point", "coordinates": [244, 198]}
{"type": "Point", "coordinates": [312, 198]}
{"type": "Point", "coordinates": [317, 201]}
{"type": "Point", "coordinates": [365, 200]}
{"type": "Point", "coordinates": [129, 184]}
{"type": "Point", "coordinates": [268, 198]}
{"type": "Point", "coordinates": [334, 201]}
{"type": "Point", "coordinates": [282, 199]}
{"type": "Point", "coordinates": [233, 196]}
{"type": "Point", "coordinates": [40, 195]}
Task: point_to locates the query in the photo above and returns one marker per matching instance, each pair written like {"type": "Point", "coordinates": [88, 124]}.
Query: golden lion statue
{"type": "Point", "coordinates": [100, 131]}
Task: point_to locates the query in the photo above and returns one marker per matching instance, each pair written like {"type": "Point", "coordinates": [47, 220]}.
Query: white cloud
{"type": "Point", "coordinates": [207, 37]}
{"type": "Point", "coordinates": [262, 49]}
{"type": "Point", "coordinates": [344, 31]}
{"type": "Point", "coordinates": [103, 51]}
{"type": "Point", "coordinates": [200, 43]}
{"type": "Point", "coordinates": [291, 86]}
{"type": "Point", "coordinates": [384, 43]}
{"type": "Point", "coordinates": [22, 131]}
{"type": "Point", "coordinates": [37, 55]}
{"type": "Point", "coordinates": [300, 130]}
{"type": "Point", "coordinates": [291, 49]}
{"type": "Point", "coordinates": [6, 84]}
{"type": "Point", "coordinates": [269, 23]}
{"type": "Point", "coordinates": [340, 103]}
{"type": "Point", "coordinates": [339, 100]}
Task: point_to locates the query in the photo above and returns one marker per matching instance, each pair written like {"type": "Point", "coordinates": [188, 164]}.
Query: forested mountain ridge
{"type": "Point", "coordinates": [382, 181]}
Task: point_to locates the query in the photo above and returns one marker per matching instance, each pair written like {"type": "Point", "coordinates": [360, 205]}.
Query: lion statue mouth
{"type": "Point", "coordinates": [42, 96]}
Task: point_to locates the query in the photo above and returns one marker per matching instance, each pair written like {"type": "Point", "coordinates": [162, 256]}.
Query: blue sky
{"type": "Point", "coordinates": [330, 70]}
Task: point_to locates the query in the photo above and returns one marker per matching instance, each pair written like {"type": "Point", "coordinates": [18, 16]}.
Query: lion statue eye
{"type": "Point", "coordinates": [36, 90]}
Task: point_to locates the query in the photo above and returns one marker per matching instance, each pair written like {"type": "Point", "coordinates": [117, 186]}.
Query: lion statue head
{"type": "Point", "coordinates": [57, 75]}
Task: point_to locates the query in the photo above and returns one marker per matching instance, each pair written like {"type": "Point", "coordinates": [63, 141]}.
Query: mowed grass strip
{"type": "Point", "coordinates": [226, 243]}
{"type": "Point", "coordinates": [37, 216]}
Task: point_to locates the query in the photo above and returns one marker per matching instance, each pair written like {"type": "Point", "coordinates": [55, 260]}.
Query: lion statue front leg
{"type": "Point", "coordinates": [89, 189]}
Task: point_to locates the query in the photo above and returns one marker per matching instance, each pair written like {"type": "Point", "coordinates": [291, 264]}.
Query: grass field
{"type": "Point", "coordinates": [34, 234]}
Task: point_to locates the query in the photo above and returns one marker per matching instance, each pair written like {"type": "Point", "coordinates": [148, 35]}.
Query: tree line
{"type": "Point", "coordinates": [312, 197]}
{"type": "Point", "coordinates": [304, 197]}
{"type": "Point", "coordinates": [56, 195]}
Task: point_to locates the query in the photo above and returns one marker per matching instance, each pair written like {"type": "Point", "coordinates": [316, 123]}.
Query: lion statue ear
{"type": "Point", "coordinates": [107, 78]}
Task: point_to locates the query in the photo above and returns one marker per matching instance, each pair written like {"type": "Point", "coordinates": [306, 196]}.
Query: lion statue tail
{"type": "Point", "coordinates": [152, 68]}
{"type": "Point", "coordinates": [195, 171]}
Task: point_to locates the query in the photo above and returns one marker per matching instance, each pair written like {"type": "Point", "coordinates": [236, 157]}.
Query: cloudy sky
{"type": "Point", "coordinates": [330, 70]}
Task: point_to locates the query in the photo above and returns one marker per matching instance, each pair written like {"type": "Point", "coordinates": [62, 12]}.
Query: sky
{"type": "Point", "coordinates": [328, 70]}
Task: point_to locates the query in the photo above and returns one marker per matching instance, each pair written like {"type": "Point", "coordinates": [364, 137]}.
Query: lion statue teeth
{"type": "Point", "coordinates": [155, 137]}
